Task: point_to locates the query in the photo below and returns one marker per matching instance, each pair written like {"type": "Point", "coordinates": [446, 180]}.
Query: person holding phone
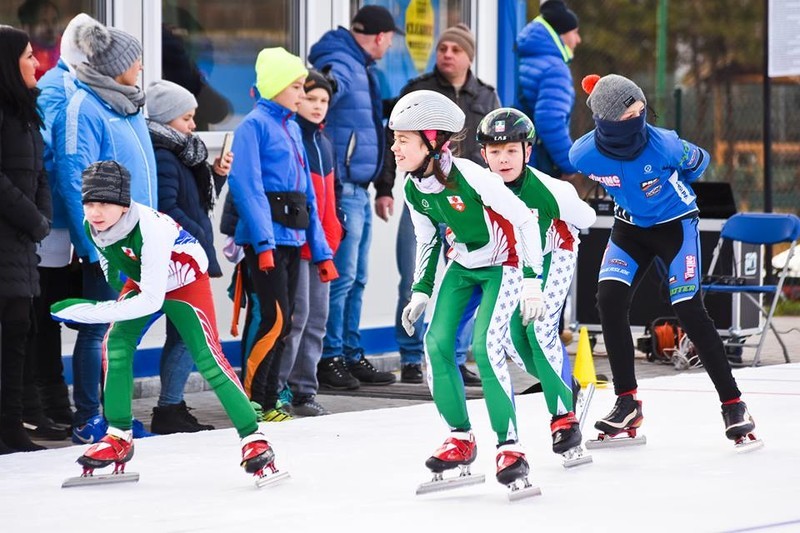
{"type": "Point", "coordinates": [187, 189]}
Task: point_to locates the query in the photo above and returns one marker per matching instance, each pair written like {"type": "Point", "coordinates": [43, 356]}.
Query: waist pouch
{"type": "Point", "coordinates": [289, 209]}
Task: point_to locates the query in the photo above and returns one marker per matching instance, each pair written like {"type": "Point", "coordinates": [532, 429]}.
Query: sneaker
{"type": "Point", "coordinates": [411, 373]}
{"type": "Point", "coordinates": [91, 432]}
{"type": "Point", "coordinates": [278, 414]}
{"type": "Point", "coordinates": [43, 428]}
{"type": "Point", "coordinates": [138, 430]}
{"type": "Point", "coordinates": [333, 374]}
{"type": "Point", "coordinates": [738, 422]}
{"type": "Point", "coordinates": [626, 415]}
{"type": "Point", "coordinates": [470, 378]}
{"type": "Point", "coordinates": [116, 446]}
{"type": "Point", "coordinates": [175, 418]}
{"type": "Point", "coordinates": [308, 406]}
{"type": "Point", "coordinates": [367, 374]}
{"type": "Point", "coordinates": [459, 449]}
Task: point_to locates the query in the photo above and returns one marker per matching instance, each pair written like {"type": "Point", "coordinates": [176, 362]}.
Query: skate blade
{"type": "Point", "coordinates": [450, 483]}
{"type": "Point", "coordinates": [572, 462]}
{"type": "Point", "coordinates": [271, 479]}
{"type": "Point", "coordinates": [615, 442]}
{"type": "Point", "coordinates": [530, 491]}
{"type": "Point", "coordinates": [749, 444]}
{"type": "Point", "coordinates": [102, 479]}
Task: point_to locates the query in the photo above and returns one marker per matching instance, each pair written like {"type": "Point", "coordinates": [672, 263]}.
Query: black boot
{"type": "Point", "coordinates": [175, 418]}
{"type": "Point", "coordinates": [470, 378]}
{"type": "Point", "coordinates": [411, 373]}
{"type": "Point", "coordinates": [17, 438]}
{"type": "Point", "coordinates": [43, 428]}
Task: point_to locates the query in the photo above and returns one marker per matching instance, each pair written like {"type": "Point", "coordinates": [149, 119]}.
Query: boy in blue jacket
{"type": "Point", "coordinates": [274, 196]}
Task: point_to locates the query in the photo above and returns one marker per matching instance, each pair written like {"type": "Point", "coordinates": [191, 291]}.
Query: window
{"type": "Point", "coordinates": [45, 20]}
{"type": "Point", "coordinates": [210, 47]}
{"type": "Point", "coordinates": [415, 53]}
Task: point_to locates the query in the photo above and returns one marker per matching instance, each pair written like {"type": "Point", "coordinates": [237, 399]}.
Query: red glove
{"type": "Point", "coordinates": [327, 271]}
{"type": "Point", "coordinates": [265, 261]}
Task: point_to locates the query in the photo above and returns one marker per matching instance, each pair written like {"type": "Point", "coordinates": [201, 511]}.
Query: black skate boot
{"type": "Point", "coordinates": [566, 432]}
{"type": "Point", "coordinates": [739, 426]}
{"type": "Point", "coordinates": [625, 417]}
{"type": "Point", "coordinates": [512, 471]}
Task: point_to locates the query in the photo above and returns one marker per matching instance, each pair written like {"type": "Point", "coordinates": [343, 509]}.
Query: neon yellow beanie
{"type": "Point", "coordinates": [276, 69]}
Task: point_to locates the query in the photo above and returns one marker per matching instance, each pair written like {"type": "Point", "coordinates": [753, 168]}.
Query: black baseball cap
{"type": "Point", "coordinates": [372, 20]}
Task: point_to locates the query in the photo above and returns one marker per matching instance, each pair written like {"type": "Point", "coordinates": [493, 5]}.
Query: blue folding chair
{"type": "Point", "coordinates": [756, 229]}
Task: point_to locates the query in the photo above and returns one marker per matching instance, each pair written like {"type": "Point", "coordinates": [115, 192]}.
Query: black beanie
{"type": "Point", "coordinates": [559, 16]}
{"type": "Point", "coordinates": [315, 80]}
{"type": "Point", "coordinates": [107, 182]}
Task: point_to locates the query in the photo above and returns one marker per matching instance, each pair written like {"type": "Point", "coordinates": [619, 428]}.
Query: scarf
{"type": "Point", "coordinates": [118, 231]}
{"type": "Point", "coordinates": [621, 140]}
{"type": "Point", "coordinates": [192, 152]}
{"type": "Point", "coordinates": [123, 99]}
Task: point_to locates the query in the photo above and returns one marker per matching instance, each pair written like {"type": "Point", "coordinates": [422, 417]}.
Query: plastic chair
{"type": "Point", "coordinates": [758, 229]}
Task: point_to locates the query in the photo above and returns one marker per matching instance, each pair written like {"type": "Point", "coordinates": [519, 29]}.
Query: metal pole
{"type": "Point", "coordinates": [661, 59]}
{"type": "Point", "coordinates": [767, 127]}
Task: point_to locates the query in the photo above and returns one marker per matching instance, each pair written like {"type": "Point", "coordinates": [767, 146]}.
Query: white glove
{"type": "Point", "coordinates": [531, 303]}
{"type": "Point", "coordinates": [414, 310]}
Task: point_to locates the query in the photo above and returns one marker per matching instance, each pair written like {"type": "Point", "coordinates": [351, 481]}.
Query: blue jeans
{"type": "Point", "coordinates": [342, 337]}
{"type": "Point", "coordinates": [88, 352]}
{"type": "Point", "coordinates": [176, 365]}
{"type": "Point", "coordinates": [411, 347]}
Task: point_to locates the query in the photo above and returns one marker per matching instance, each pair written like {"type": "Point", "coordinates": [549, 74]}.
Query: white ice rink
{"type": "Point", "coordinates": [358, 472]}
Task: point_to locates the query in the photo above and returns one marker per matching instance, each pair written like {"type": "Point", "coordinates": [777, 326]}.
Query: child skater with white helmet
{"type": "Point", "coordinates": [492, 235]}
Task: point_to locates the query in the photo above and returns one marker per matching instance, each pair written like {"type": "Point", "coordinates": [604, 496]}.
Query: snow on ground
{"type": "Point", "coordinates": [358, 471]}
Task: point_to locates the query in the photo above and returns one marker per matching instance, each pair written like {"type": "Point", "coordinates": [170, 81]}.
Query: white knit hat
{"type": "Point", "coordinates": [426, 110]}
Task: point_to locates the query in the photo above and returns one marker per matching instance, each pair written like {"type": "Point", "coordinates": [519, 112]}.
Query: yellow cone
{"type": "Point", "coordinates": [584, 364]}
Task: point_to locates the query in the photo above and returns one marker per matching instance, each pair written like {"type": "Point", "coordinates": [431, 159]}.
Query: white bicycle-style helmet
{"type": "Point", "coordinates": [426, 110]}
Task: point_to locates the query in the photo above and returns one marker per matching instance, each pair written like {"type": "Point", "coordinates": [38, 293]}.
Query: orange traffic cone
{"type": "Point", "coordinates": [584, 364]}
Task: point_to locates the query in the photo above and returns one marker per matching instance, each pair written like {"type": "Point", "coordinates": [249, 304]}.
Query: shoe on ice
{"type": "Point", "coordinates": [308, 406]}
{"type": "Point", "coordinates": [90, 432]}
{"type": "Point", "coordinates": [333, 374]}
{"type": "Point", "coordinates": [470, 378]}
{"type": "Point", "coordinates": [411, 373]}
{"type": "Point", "coordinates": [566, 432]}
{"type": "Point", "coordinates": [367, 374]}
{"type": "Point", "coordinates": [115, 447]}
{"type": "Point", "coordinates": [459, 449]}
{"type": "Point", "coordinates": [256, 453]}
{"type": "Point", "coordinates": [626, 416]}
{"type": "Point", "coordinates": [175, 418]}
{"type": "Point", "coordinates": [511, 464]}
{"type": "Point", "coordinates": [738, 422]}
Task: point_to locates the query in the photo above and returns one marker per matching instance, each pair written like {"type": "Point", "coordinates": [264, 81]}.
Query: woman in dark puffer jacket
{"type": "Point", "coordinates": [25, 215]}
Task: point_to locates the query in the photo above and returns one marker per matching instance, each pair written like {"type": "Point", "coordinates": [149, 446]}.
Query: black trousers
{"type": "Point", "coordinates": [631, 250]}
{"type": "Point", "coordinates": [15, 323]}
{"type": "Point", "coordinates": [269, 321]}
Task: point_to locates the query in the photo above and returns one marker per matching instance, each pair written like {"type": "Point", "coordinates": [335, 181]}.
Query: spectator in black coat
{"type": "Point", "coordinates": [25, 215]}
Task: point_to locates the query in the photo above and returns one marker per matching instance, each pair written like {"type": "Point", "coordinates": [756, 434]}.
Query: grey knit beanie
{"type": "Point", "coordinates": [108, 50]}
{"type": "Point", "coordinates": [107, 182]}
{"type": "Point", "coordinates": [612, 95]}
{"type": "Point", "coordinates": [167, 101]}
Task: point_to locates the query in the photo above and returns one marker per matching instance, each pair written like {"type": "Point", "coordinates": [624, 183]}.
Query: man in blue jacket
{"type": "Point", "coordinates": [355, 125]}
{"type": "Point", "coordinates": [546, 46]}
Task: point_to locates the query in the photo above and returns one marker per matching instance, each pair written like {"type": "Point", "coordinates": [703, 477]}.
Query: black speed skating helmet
{"type": "Point", "coordinates": [504, 125]}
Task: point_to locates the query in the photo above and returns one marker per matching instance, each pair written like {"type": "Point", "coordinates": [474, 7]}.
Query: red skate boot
{"type": "Point", "coordinates": [459, 450]}
{"type": "Point", "coordinates": [115, 447]}
{"type": "Point", "coordinates": [259, 459]}
{"type": "Point", "coordinates": [512, 471]}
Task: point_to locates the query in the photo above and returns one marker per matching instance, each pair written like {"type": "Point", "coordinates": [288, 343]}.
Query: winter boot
{"type": "Point", "coordinates": [333, 374]}
{"type": "Point", "coordinates": [566, 432]}
{"type": "Point", "coordinates": [16, 437]}
{"type": "Point", "coordinates": [115, 447]}
{"type": "Point", "coordinates": [459, 449]}
{"type": "Point", "coordinates": [511, 464]}
{"type": "Point", "coordinates": [626, 416]}
{"type": "Point", "coordinates": [738, 422]}
{"type": "Point", "coordinates": [43, 428]}
{"type": "Point", "coordinates": [471, 379]}
{"type": "Point", "coordinates": [256, 453]}
{"type": "Point", "coordinates": [175, 418]}
{"type": "Point", "coordinates": [367, 374]}
{"type": "Point", "coordinates": [411, 373]}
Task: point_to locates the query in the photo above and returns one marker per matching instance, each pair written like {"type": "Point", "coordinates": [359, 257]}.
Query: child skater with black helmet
{"type": "Point", "coordinates": [493, 234]}
{"type": "Point", "coordinates": [166, 271]}
{"type": "Point", "coordinates": [647, 170]}
{"type": "Point", "coordinates": [507, 137]}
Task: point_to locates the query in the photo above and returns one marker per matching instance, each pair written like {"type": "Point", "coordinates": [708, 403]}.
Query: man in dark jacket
{"type": "Point", "coordinates": [452, 76]}
{"type": "Point", "coordinates": [355, 124]}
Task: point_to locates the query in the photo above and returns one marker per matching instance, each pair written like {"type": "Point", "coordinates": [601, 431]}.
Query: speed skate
{"type": "Point", "coordinates": [458, 451]}
{"type": "Point", "coordinates": [618, 428]}
{"type": "Point", "coordinates": [575, 455]}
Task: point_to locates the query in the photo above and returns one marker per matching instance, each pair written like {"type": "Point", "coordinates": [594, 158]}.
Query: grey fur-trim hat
{"type": "Point", "coordinates": [107, 182]}
{"type": "Point", "coordinates": [167, 101]}
{"type": "Point", "coordinates": [108, 50]}
{"type": "Point", "coordinates": [612, 95]}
